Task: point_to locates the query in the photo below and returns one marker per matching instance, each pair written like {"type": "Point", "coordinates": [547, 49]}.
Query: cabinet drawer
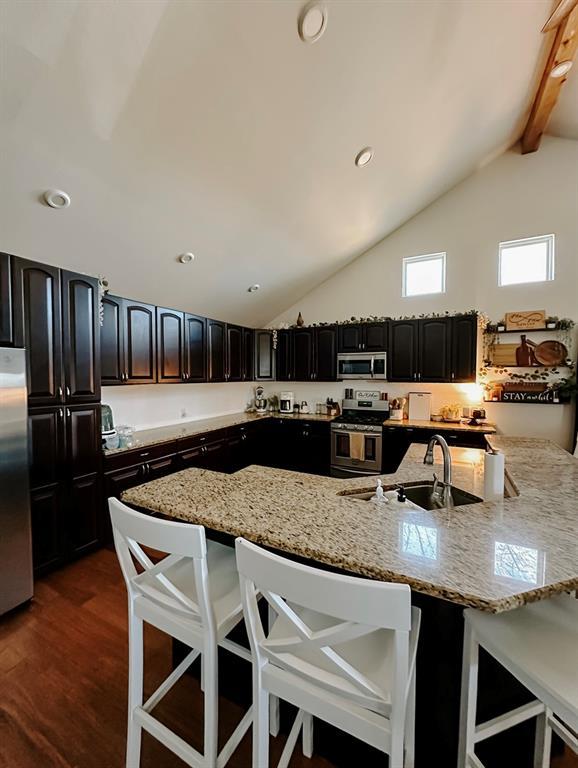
{"type": "Point", "coordinates": [194, 441]}
{"type": "Point", "coordinates": [138, 456]}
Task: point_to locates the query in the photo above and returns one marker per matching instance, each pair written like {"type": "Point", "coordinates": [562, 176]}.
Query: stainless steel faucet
{"type": "Point", "coordinates": [429, 457]}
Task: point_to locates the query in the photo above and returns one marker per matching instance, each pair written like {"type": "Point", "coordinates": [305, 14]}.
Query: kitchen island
{"type": "Point", "coordinates": [494, 556]}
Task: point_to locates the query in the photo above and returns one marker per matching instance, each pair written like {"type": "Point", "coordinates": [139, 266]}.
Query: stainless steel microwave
{"type": "Point", "coordinates": [362, 365]}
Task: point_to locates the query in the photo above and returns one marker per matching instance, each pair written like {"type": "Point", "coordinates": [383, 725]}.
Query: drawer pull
{"type": "Point", "coordinates": [145, 453]}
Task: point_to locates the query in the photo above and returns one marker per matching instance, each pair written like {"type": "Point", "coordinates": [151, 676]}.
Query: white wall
{"type": "Point", "coordinates": [514, 196]}
{"type": "Point", "coordinates": [149, 405]}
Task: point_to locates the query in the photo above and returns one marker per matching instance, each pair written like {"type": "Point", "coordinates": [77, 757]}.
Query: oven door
{"type": "Point", "coordinates": [361, 366]}
{"type": "Point", "coordinates": [342, 448]}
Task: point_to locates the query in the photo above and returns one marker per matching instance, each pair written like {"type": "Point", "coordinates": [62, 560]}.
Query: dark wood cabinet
{"type": "Point", "coordinates": [464, 347]}
{"type": "Point", "coordinates": [118, 480]}
{"type": "Point", "coordinates": [360, 337]}
{"type": "Point", "coordinates": [234, 346]}
{"type": "Point", "coordinates": [284, 356]}
{"type": "Point", "coordinates": [37, 326]}
{"type": "Point", "coordinates": [140, 342]}
{"type": "Point", "coordinates": [264, 355]}
{"type": "Point", "coordinates": [325, 368]}
{"type": "Point", "coordinates": [46, 446]}
{"type": "Point", "coordinates": [303, 353]}
{"type": "Point", "coordinates": [81, 337]}
{"type": "Point", "coordinates": [84, 515]}
{"type": "Point", "coordinates": [112, 364]}
{"type": "Point", "coordinates": [312, 447]}
{"type": "Point", "coordinates": [170, 342]}
{"type": "Point", "coordinates": [248, 354]}
{"type": "Point", "coordinates": [217, 350]}
{"type": "Point", "coordinates": [6, 325]}
{"type": "Point", "coordinates": [403, 344]}
{"type": "Point", "coordinates": [83, 440]}
{"type": "Point", "coordinates": [434, 349]}
{"type": "Point", "coordinates": [46, 513]}
{"type": "Point", "coordinates": [195, 348]}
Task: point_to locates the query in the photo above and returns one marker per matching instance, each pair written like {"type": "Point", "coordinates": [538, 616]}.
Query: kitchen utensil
{"type": "Point", "coordinates": [550, 352]}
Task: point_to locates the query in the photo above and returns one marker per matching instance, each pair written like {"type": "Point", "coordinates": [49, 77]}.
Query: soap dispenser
{"type": "Point", "coordinates": [379, 494]}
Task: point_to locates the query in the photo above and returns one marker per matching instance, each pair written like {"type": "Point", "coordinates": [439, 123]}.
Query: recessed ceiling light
{"type": "Point", "coordinates": [561, 69]}
{"type": "Point", "coordinates": [56, 198]}
{"type": "Point", "coordinates": [363, 157]}
{"type": "Point", "coordinates": [312, 22]}
{"type": "Point", "coordinates": [253, 288]}
{"type": "Point", "coordinates": [186, 258]}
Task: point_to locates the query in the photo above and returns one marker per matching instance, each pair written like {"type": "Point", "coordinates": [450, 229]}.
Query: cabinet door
{"type": "Point", "coordinates": [83, 440]}
{"type": "Point", "coordinates": [84, 510]}
{"type": "Point", "coordinates": [6, 327]}
{"type": "Point", "coordinates": [434, 349]}
{"type": "Point", "coordinates": [303, 353]}
{"type": "Point", "coordinates": [264, 355]}
{"type": "Point", "coordinates": [195, 348]}
{"type": "Point", "coordinates": [350, 338]}
{"type": "Point", "coordinates": [326, 354]}
{"type": "Point", "coordinates": [375, 337]}
{"type": "Point", "coordinates": [140, 343]}
{"type": "Point", "coordinates": [284, 356]}
{"type": "Point", "coordinates": [37, 327]}
{"type": "Point", "coordinates": [46, 445]}
{"type": "Point", "coordinates": [464, 347]}
{"type": "Point", "coordinates": [120, 480]}
{"type": "Point", "coordinates": [81, 337]}
{"type": "Point", "coordinates": [112, 362]}
{"type": "Point", "coordinates": [402, 356]}
{"type": "Point", "coordinates": [170, 335]}
{"type": "Point", "coordinates": [217, 350]}
{"type": "Point", "coordinates": [234, 370]}
{"type": "Point", "coordinates": [248, 354]}
{"type": "Point", "coordinates": [160, 467]}
{"type": "Point", "coordinates": [47, 525]}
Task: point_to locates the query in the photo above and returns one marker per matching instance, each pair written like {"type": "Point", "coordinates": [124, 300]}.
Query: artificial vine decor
{"type": "Point", "coordinates": [482, 319]}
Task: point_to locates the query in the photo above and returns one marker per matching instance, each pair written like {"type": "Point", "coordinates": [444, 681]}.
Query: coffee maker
{"type": "Point", "coordinates": [286, 401]}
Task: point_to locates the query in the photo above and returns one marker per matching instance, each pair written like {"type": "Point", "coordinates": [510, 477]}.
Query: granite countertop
{"type": "Point", "coordinates": [491, 555]}
{"type": "Point", "coordinates": [159, 435]}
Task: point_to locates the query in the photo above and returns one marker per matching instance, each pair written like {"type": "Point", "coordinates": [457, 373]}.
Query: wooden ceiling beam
{"type": "Point", "coordinates": [564, 46]}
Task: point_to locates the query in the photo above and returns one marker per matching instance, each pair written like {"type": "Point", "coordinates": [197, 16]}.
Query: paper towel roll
{"type": "Point", "coordinates": [493, 476]}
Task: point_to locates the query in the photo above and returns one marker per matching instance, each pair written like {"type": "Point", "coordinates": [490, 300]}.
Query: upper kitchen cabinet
{"type": "Point", "coordinates": [402, 355]}
{"type": "Point", "coordinates": [217, 350]}
{"type": "Point", "coordinates": [464, 347]}
{"type": "Point", "coordinates": [325, 368]}
{"type": "Point", "coordinates": [434, 349]}
{"type": "Point", "coordinates": [234, 368]}
{"type": "Point", "coordinates": [363, 337]}
{"type": "Point", "coordinates": [140, 347]}
{"type": "Point", "coordinates": [248, 354]}
{"type": "Point", "coordinates": [37, 326]}
{"type": "Point", "coordinates": [195, 348]}
{"type": "Point", "coordinates": [264, 355]}
{"type": "Point", "coordinates": [170, 338]}
{"type": "Point", "coordinates": [6, 327]}
{"type": "Point", "coordinates": [284, 357]}
{"type": "Point", "coordinates": [112, 341]}
{"type": "Point", "coordinates": [81, 337]}
{"type": "Point", "coordinates": [304, 353]}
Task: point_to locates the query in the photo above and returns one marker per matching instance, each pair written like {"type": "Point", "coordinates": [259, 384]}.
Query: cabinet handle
{"type": "Point", "coordinates": [146, 453]}
{"type": "Point", "coordinates": [67, 391]}
{"type": "Point", "coordinates": [61, 413]}
{"type": "Point", "coordinates": [60, 393]}
{"type": "Point", "coordinates": [453, 375]}
{"type": "Point", "coordinates": [68, 412]}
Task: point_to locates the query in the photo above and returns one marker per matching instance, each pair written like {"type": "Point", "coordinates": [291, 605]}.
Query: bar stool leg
{"type": "Point", "coordinates": [135, 688]}
{"type": "Point", "coordinates": [211, 687]}
{"type": "Point", "coordinates": [410, 726]}
{"type": "Point", "coordinates": [260, 722]}
{"type": "Point", "coordinates": [273, 700]}
{"type": "Point", "coordinates": [468, 698]}
{"type": "Point", "coordinates": [543, 740]}
{"type": "Point", "coordinates": [307, 737]}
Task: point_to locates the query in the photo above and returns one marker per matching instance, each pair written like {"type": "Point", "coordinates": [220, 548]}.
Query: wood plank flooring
{"type": "Point", "coordinates": [63, 678]}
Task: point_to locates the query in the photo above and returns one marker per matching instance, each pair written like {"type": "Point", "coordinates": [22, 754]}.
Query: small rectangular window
{"type": "Point", "coordinates": [424, 274]}
{"type": "Point", "coordinates": [530, 260]}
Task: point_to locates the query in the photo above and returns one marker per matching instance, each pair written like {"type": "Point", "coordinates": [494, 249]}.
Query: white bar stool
{"type": "Point", "coordinates": [341, 648]}
{"type": "Point", "coordinates": [193, 595]}
{"type": "Point", "coordinates": [537, 644]}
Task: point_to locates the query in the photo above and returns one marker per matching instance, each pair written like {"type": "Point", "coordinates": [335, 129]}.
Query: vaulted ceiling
{"type": "Point", "coordinates": [203, 126]}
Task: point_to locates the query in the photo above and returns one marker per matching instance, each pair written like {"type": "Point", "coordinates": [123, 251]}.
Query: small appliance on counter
{"type": "Point", "coordinates": [286, 402]}
{"type": "Point", "coordinates": [108, 431]}
{"type": "Point", "coordinates": [419, 406]}
{"type": "Point", "coordinates": [260, 400]}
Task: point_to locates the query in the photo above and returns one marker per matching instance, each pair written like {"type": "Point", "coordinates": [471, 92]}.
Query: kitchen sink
{"type": "Point", "coordinates": [419, 493]}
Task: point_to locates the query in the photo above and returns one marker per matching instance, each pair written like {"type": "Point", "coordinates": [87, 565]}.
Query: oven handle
{"type": "Point", "coordinates": [354, 471]}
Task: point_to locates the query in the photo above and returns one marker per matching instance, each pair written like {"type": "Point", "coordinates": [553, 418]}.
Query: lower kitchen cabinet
{"type": "Point", "coordinates": [46, 512]}
{"type": "Point", "coordinates": [396, 441]}
{"type": "Point", "coordinates": [84, 513]}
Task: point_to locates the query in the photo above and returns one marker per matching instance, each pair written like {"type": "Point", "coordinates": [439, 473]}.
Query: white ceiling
{"type": "Point", "coordinates": [564, 122]}
{"type": "Point", "coordinates": [181, 125]}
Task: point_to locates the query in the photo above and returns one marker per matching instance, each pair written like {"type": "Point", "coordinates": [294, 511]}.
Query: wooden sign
{"type": "Point", "coordinates": [526, 321]}
{"type": "Point", "coordinates": [547, 396]}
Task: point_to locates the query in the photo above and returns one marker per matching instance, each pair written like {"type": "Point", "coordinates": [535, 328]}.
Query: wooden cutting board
{"type": "Point", "coordinates": [504, 354]}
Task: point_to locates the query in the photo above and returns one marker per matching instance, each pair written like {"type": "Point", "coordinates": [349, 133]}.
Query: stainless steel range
{"type": "Point", "coordinates": [357, 436]}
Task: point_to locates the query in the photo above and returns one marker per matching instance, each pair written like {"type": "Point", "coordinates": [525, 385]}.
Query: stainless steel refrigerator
{"type": "Point", "coordinates": [15, 538]}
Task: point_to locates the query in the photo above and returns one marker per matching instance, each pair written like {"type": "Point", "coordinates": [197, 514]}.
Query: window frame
{"type": "Point", "coordinates": [440, 256]}
{"type": "Point", "coordinates": [548, 240]}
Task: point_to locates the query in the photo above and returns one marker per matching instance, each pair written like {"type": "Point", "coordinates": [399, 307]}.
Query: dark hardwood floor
{"type": "Point", "coordinates": [63, 678]}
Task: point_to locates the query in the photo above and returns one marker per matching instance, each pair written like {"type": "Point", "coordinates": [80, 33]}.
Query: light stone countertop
{"type": "Point", "coordinates": [491, 555]}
